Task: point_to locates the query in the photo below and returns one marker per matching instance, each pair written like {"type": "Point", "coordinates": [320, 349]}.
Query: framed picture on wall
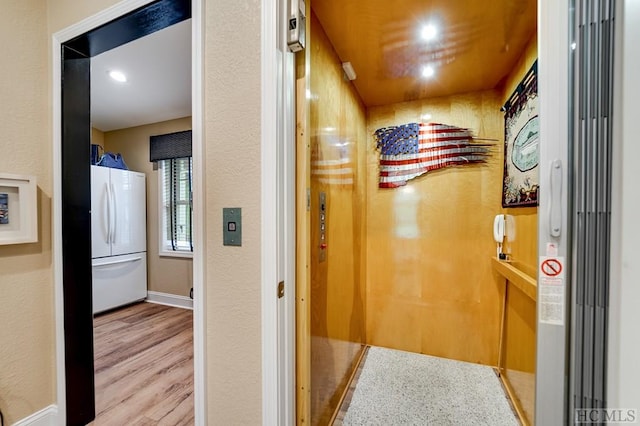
{"type": "Point", "coordinates": [521, 139]}
{"type": "Point", "coordinates": [18, 209]}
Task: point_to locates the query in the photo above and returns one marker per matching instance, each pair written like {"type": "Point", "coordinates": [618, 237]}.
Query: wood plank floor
{"type": "Point", "coordinates": [144, 366]}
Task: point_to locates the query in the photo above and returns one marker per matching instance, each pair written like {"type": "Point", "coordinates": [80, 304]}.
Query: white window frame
{"type": "Point", "coordinates": [163, 242]}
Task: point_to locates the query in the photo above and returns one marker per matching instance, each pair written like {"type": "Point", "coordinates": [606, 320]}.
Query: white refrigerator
{"type": "Point", "coordinates": [119, 237]}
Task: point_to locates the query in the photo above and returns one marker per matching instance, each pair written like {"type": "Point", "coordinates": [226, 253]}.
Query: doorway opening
{"type": "Point", "coordinates": [141, 347]}
{"type": "Point", "coordinates": [400, 253]}
{"type": "Point", "coordinates": [110, 29]}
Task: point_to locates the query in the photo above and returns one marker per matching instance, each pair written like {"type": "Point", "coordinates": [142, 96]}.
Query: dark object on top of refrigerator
{"type": "Point", "coordinates": [115, 161]}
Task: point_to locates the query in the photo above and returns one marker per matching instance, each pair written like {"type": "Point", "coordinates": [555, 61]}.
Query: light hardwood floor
{"type": "Point", "coordinates": [144, 366]}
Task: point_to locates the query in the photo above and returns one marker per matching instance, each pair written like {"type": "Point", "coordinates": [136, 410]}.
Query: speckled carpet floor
{"type": "Point", "coordinates": [403, 388]}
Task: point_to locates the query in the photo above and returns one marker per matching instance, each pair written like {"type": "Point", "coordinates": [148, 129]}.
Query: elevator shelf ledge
{"type": "Point", "coordinates": [524, 282]}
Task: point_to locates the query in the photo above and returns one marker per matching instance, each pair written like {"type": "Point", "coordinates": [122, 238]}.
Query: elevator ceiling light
{"type": "Point", "coordinates": [425, 117]}
{"type": "Point", "coordinates": [428, 71]}
{"type": "Point", "coordinates": [429, 32]}
{"type": "Point", "coordinates": [118, 76]}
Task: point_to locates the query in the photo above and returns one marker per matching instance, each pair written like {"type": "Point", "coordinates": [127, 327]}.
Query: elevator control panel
{"type": "Point", "coordinates": [323, 227]}
{"type": "Point", "coordinates": [232, 226]}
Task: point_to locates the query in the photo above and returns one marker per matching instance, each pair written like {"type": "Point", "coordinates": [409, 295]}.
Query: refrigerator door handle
{"type": "Point", "coordinates": [114, 212]}
{"type": "Point", "coordinates": [107, 212]}
{"type": "Point", "coordinates": [115, 262]}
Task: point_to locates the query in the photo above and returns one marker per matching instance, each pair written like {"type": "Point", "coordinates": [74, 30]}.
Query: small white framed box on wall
{"type": "Point", "coordinates": [18, 209]}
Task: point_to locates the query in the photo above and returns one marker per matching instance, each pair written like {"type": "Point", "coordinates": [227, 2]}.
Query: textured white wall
{"type": "Point", "coordinates": [64, 13]}
{"type": "Point", "coordinates": [232, 145]}
{"type": "Point", "coordinates": [26, 287]}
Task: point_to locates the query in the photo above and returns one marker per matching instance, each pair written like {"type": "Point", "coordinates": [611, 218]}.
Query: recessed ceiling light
{"type": "Point", "coordinates": [426, 117]}
{"type": "Point", "coordinates": [118, 76]}
{"type": "Point", "coordinates": [428, 71]}
{"type": "Point", "coordinates": [429, 32]}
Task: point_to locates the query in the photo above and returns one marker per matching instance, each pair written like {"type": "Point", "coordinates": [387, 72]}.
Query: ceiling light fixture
{"type": "Point", "coordinates": [428, 71]}
{"type": "Point", "coordinates": [118, 76]}
{"type": "Point", "coordinates": [425, 117]}
{"type": "Point", "coordinates": [429, 32]}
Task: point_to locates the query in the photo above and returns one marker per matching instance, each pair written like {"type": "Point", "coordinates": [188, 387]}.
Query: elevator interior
{"type": "Point", "coordinates": [411, 267]}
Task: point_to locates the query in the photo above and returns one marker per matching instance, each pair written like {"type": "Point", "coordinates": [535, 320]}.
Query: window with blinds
{"type": "Point", "coordinates": [177, 206]}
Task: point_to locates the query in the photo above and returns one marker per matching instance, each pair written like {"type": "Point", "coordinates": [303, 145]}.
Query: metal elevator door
{"type": "Point", "coordinates": [594, 36]}
{"type": "Point", "coordinates": [576, 71]}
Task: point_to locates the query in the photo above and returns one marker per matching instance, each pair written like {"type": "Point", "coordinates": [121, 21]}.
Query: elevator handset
{"type": "Point", "coordinates": [498, 234]}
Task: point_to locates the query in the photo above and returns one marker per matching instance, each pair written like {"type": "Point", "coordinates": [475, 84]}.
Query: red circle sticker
{"type": "Point", "coordinates": [551, 267]}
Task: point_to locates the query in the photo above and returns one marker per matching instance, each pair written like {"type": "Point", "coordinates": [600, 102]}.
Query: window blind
{"type": "Point", "coordinates": [170, 145]}
{"type": "Point", "coordinates": [178, 204]}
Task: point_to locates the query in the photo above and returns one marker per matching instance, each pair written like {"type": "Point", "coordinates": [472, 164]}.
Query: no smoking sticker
{"type": "Point", "coordinates": [551, 291]}
{"type": "Point", "coordinates": [551, 267]}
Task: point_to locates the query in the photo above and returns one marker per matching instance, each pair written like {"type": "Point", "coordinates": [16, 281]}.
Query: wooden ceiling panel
{"type": "Point", "coordinates": [477, 45]}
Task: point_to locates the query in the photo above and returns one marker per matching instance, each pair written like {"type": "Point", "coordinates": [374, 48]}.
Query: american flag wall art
{"type": "Point", "coordinates": [411, 150]}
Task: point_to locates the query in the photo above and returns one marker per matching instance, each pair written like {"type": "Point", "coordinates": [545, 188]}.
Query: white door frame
{"type": "Point", "coordinates": [58, 39]}
{"type": "Point", "coordinates": [278, 223]}
{"type": "Point", "coordinates": [553, 89]}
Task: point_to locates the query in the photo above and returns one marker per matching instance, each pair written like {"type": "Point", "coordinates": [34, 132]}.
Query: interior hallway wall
{"type": "Point", "coordinates": [337, 131]}
{"type": "Point", "coordinates": [173, 275]}
{"type": "Point", "coordinates": [430, 286]}
{"type": "Point", "coordinates": [27, 344]}
{"type": "Point", "coordinates": [232, 105]}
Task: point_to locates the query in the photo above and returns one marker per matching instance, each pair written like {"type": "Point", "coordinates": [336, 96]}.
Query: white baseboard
{"type": "Point", "coordinates": [48, 416]}
{"type": "Point", "coordinates": [169, 299]}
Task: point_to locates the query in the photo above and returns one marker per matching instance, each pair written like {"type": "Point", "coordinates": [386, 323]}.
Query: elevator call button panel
{"type": "Point", "coordinates": [232, 226]}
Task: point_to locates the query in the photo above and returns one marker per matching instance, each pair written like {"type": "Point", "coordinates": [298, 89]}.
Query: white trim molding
{"type": "Point", "coordinates": [286, 111]}
{"type": "Point", "coordinates": [199, 213]}
{"type": "Point", "coordinates": [45, 417]}
{"type": "Point", "coordinates": [168, 299]}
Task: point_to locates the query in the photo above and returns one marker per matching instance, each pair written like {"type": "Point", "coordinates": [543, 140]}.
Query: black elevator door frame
{"type": "Point", "coordinates": [76, 237]}
{"type": "Point", "coordinates": [76, 190]}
